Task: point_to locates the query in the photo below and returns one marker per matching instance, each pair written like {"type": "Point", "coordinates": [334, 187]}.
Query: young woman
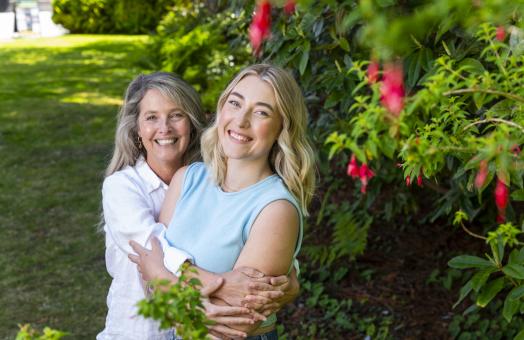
{"type": "Point", "coordinates": [249, 195]}
{"type": "Point", "coordinates": [158, 131]}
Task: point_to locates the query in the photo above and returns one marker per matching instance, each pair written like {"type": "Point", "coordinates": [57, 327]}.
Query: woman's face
{"type": "Point", "coordinates": [164, 129]}
{"type": "Point", "coordinates": [248, 124]}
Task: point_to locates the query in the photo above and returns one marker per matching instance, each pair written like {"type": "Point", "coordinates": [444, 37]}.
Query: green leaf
{"type": "Point", "coordinates": [519, 336]}
{"type": "Point", "coordinates": [490, 291]}
{"type": "Point", "coordinates": [511, 306]}
{"type": "Point", "coordinates": [344, 44]}
{"type": "Point", "coordinates": [472, 65]}
{"type": "Point", "coordinates": [518, 195]}
{"type": "Point", "coordinates": [303, 61]}
{"type": "Point", "coordinates": [514, 270]}
{"type": "Point", "coordinates": [468, 261]}
{"type": "Point", "coordinates": [480, 278]}
{"type": "Point", "coordinates": [516, 293]}
{"type": "Point", "coordinates": [464, 291]}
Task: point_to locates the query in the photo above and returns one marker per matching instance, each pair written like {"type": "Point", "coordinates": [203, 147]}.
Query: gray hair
{"type": "Point", "coordinates": [127, 150]}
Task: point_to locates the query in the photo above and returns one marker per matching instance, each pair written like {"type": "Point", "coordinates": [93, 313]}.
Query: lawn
{"type": "Point", "coordinates": [58, 100]}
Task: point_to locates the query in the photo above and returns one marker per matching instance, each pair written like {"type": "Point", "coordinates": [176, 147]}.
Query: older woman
{"type": "Point", "coordinates": [158, 132]}
{"type": "Point", "coordinates": [249, 195]}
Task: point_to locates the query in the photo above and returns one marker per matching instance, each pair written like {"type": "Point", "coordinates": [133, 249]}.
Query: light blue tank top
{"type": "Point", "coordinates": [213, 225]}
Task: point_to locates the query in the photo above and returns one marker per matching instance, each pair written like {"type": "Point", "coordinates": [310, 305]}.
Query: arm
{"type": "Point", "coordinates": [128, 216]}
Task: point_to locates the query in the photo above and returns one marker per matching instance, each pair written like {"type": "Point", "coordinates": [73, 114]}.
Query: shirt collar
{"type": "Point", "coordinates": [152, 180]}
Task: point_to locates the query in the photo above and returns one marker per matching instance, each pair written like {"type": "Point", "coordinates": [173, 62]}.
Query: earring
{"type": "Point", "coordinates": [139, 141]}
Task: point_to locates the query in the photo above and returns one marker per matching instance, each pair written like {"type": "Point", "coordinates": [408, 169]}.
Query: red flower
{"type": "Point", "coordinates": [392, 89]}
{"type": "Point", "coordinates": [482, 174]}
{"type": "Point", "coordinates": [501, 33]}
{"type": "Point", "coordinates": [516, 150]}
{"type": "Point", "coordinates": [419, 180]}
{"type": "Point", "coordinates": [353, 169]}
{"type": "Point", "coordinates": [501, 199]}
{"type": "Point", "coordinates": [260, 26]}
{"type": "Point", "coordinates": [289, 7]}
{"type": "Point", "coordinates": [408, 181]}
{"type": "Point", "coordinates": [373, 69]}
{"type": "Point", "coordinates": [365, 174]}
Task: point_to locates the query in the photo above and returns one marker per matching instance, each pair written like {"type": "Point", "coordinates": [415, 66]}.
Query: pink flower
{"type": "Point", "coordinates": [480, 179]}
{"type": "Point", "coordinates": [373, 69]}
{"type": "Point", "coordinates": [408, 181]}
{"type": "Point", "coordinates": [365, 175]}
{"type": "Point", "coordinates": [392, 89]}
{"type": "Point", "coordinates": [501, 199]}
{"type": "Point", "coordinates": [260, 27]}
{"type": "Point", "coordinates": [289, 7]}
{"type": "Point", "coordinates": [353, 169]}
{"type": "Point", "coordinates": [501, 33]}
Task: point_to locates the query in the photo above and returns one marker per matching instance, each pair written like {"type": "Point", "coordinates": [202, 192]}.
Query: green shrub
{"type": "Point", "coordinates": [110, 16]}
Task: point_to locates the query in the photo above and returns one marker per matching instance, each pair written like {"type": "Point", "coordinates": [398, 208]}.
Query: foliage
{"type": "Point", "coordinates": [177, 305]}
{"type": "Point", "coordinates": [205, 46]}
{"type": "Point", "coordinates": [28, 333]}
{"type": "Point", "coordinates": [110, 16]}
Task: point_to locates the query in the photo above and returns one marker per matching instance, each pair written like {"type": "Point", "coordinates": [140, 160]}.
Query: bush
{"type": "Point", "coordinates": [110, 16]}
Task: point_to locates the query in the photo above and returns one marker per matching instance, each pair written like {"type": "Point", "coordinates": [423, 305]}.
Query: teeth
{"type": "Point", "coordinates": [239, 137]}
{"type": "Point", "coordinates": [165, 141]}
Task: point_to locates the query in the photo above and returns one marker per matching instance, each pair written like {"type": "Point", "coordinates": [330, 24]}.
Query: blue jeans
{"type": "Point", "coordinates": [272, 335]}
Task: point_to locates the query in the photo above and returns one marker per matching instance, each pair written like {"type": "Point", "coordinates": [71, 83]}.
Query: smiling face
{"type": "Point", "coordinates": [164, 129]}
{"type": "Point", "coordinates": [248, 123]}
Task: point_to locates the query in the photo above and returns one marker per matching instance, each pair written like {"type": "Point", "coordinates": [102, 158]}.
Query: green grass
{"type": "Point", "coordinates": [58, 100]}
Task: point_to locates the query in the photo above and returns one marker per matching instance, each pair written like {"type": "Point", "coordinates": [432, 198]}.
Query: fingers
{"type": "Point", "coordinates": [260, 286]}
{"type": "Point", "coordinates": [137, 247]}
{"type": "Point", "coordinates": [270, 309]}
{"type": "Point", "coordinates": [216, 310]}
{"type": "Point", "coordinates": [227, 331]}
{"type": "Point", "coordinates": [134, 258]}
{"type": "Point", "coordinates": [251, 272]}
{"type": "Point", "coordinates": [233, 320]}
{"type": "Point", "coordinates": [256, 299]}
{"type": "Point", "coordinates": [279, 280]}
{"type": "Point", "coordinates": [258, 316]}
{"type": "Point", "coordinates": [212, 287]}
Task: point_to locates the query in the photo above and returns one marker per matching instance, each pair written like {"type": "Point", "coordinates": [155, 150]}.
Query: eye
{"type": "Point", "coordinates": [234, 103]}
{"type": "Point", "coordinates": [176, 115]}
{"type": "Point", "coordinates": [262, 113]}
{"type": "Point", "coordinates": [150, 117]}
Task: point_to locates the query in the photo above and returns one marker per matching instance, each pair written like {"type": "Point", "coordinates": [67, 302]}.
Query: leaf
{"type": "Point", "coordinates": [468, 261]}
{"type": "Point", "coordinates": [472, 65]}
{"type": "Point", "coordinates": [344, 44]}
{"type": "Point", "coordinates": [464, 291]}
{"type": "Point", "coordinates": [518, 195]}
{"type": "Point", "coordinates": [511, 306]}
{"type": "Point", "coordinates": [516, 293]}
{"type": "Point", "coordinates": [514, 270]}
{"type": "Point", "coordinates": [480, 278]}
{"type": "Point", "coordinates": [519, 336]}
{"type": "Point", "coordinates": [304, 60]}
{"type": "Point", "coordinates": [489, 292]}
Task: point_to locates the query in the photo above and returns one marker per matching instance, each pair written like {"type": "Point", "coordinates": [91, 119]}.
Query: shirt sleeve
{"type": "Point", "coordinates": [128, 216]}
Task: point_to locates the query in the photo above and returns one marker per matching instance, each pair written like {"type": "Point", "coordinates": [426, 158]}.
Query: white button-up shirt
{"type": "Point", "coordinates": [132, 199]}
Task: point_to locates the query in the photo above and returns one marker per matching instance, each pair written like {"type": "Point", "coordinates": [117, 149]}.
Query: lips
{"type": "Point", "coordinates": [166, 141]}
{"type": "Point", "coordinates": [239, 137]}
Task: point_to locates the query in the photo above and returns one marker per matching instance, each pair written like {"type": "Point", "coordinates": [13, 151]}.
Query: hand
{"type": "Point", "coordinates": [150, 263]}
{"type": "Point", "coordinates": [236, 285]}
{"type": "Point", "coordinates": [265, 301]}
{"type": "Point", "coordinates": [224, 315]}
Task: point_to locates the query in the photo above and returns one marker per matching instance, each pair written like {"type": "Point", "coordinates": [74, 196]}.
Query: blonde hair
{"type": "Point", "coordinates": [292, 156]}
{"type": "Point", "coordinates": [127, 150]}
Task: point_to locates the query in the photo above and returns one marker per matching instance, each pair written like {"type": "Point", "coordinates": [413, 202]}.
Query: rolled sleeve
{"type": "Point", "coordinates": [128, 215]}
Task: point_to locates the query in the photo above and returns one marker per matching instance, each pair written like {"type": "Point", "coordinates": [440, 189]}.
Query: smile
{"type": "Point", "coordinates": [166, 141]}
{"type": "Point", "coordinates": [239, 137]}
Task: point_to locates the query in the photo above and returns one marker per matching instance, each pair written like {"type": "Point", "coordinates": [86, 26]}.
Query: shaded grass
{"type": "Point", "coordinates": [58, 99]}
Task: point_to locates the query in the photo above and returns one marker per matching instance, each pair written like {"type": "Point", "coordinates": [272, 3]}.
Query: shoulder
{"type": "Point", "coordinates": [280, 210]}
{"type": "Point", "coordinates": [122, 179]}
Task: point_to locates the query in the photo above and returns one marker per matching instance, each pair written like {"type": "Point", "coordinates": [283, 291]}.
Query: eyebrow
{"type": "Point", "coordinates": [257, 103]}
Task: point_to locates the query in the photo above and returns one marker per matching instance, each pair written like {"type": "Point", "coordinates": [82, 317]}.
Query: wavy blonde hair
{"type": "Point", "coordinates": [127, 150]}
{"type": "Point", "coordinates": [292, 156]}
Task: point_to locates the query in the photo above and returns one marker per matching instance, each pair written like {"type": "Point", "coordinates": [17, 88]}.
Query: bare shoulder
{"type": "Point", "coordinates": [279, 212]}
{"type": "Point", "coordinates": [178, 177]}
{"type": "Point", "coordinates": [172, 195]}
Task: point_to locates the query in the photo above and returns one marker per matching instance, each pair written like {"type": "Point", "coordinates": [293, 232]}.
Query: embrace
{"type": "Point", "coordinates": [236, 216]}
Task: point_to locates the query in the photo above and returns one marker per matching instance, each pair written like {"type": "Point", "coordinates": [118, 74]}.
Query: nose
{"type": "Point", "coordinates": [165, 125]}
{"type": "Point", "coordinates": [243, 118]}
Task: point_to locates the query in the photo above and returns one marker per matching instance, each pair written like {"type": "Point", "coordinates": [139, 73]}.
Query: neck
{"type": "Point", "coordinates": [241, 174]}
{"type": "Point", "coordinates": [165, 172]}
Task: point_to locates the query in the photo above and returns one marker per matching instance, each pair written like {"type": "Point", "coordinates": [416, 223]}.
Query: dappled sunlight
{"type": "Point", "coordinates": [93, 98]}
